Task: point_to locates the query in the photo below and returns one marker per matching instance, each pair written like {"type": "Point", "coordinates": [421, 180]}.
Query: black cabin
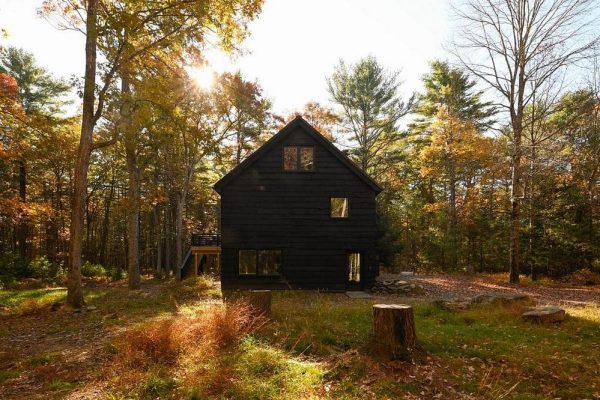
{"type": "Point", "coordinates": [297, 213]}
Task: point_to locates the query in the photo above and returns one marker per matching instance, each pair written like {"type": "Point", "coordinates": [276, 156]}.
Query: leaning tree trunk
{"type": "Point", "coordinates": [74, 289]}
{"type": "Point", "coordinates": [394, 333]}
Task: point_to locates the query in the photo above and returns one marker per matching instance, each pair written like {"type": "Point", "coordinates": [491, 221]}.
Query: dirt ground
{"type": "Point", "coordinates": [455, 286]}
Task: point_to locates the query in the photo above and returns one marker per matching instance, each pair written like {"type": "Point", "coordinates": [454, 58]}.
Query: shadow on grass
{"type": "Point", "coordinates": [74, 343]}
{"type": "Point", "coordinates": [317, 346]}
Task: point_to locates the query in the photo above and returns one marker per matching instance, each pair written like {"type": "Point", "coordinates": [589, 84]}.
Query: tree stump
{"type": "Point", "coordinates": [394, 332]}
{"type": "Point", "coordinates": [260, 301]}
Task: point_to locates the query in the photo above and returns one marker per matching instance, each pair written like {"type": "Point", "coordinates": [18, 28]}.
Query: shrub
{"type": "Point", "coordinates": [157, 386]}
{"type": "Point", "coordinates": [13, 267]}
{"type": "Point", "coordinates": [90, 270]}
{"type": "Point", "coordinates": [164, 341]}
{"type": "Point", "coordinates": [585, 277]}
{"type": "Point", "coordinates": [117, 274]}
{"type": "Point", "coordinates": [42, 268]}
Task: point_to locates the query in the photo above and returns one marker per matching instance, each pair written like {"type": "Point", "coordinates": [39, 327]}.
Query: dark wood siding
{"type": "Point", "coordinates": [267, 208]}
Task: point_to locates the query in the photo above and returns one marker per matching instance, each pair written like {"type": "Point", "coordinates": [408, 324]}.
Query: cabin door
{"type": "Point", "coordinates": [354, 262]}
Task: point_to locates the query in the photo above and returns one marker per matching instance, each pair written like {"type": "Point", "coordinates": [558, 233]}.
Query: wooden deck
{"type": "Point", "coordinates": [213, 260]}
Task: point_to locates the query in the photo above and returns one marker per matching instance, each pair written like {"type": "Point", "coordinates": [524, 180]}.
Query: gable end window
{"type": "Point", "coordinates": [339, 207]}
{"type": "Point", "coordinates": [298, 158]}
{"type": "Point", "coordinates": [260, 262]}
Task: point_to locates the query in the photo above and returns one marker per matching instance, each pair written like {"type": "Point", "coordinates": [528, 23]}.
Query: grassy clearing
{"type": "Point", "coordinates": [177, 341]}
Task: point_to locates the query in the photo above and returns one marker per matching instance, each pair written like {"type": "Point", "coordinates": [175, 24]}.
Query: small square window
{"type": "Point", "coordinates": [298, 158]}
{"type": "Point", "coordinates": [307, 158]}
{"type": "Point", "coordinates": [290, 158]}
{"type": "Point", "coordinates": [339, 207]}
{"type": "Point", "coordinates": [247, 262]}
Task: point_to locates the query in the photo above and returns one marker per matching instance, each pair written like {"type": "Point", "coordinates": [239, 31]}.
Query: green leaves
{"type": "Point", "coordinates": [38, 90]}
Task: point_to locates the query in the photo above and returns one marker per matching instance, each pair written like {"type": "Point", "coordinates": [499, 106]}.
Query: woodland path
{"type": "Point", "coordinates": [446, 286]}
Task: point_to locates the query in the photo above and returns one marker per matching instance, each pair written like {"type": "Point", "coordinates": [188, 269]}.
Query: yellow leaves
{"type": "Point", "coordinates": [434, 208]}
{"type": "Point", "coordinates": [455, 145]}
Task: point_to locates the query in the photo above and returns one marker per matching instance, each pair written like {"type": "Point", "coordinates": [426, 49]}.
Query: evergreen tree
{"type": "Point", "coordinates": [371, 110]}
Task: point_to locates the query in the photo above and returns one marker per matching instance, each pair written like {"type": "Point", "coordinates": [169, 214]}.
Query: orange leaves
{"type": "Point", "coordinates": [11, 110]}
{"type": "Point", "coordinates": [9, 88]}
{"type": "Point", "coordinates": [13, 210]}
{"type": "Point", "coordinates": [322, 118]}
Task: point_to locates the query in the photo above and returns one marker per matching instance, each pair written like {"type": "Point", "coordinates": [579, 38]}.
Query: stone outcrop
{"type": "Point", "coordinates": [399, 287]}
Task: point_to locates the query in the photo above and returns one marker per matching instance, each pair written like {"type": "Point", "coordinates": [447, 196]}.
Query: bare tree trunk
{"type": "Point", "coordinates": [105, 224]}
{"type": "Point", "coordinates": [22, 226]}
{"type": "Point", "coordinates": [74, 288]}
{"type": "Point", "coordinates": [179, 205]}
{"type": "Point", "coordinates": [239, 145]}
{"type": "Point", "coordinates": [532, 264]}
{"type": "Point", "coordinates": [453, 218]}
{"type": "Point", "coordinates": [133, 192]}
{"type": "Point", "coordinates": [157, 240]}
{"type": "Point", "coordinates": [516, 194]}
{"type": "Point", "coordinates": [168, 219]}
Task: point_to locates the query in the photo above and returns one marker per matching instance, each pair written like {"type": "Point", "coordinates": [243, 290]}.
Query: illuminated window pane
{"type": "Point", "coordinates": [269, 262]}
{"type": "Point", "coordinates": [290, 158]}
{"type": "Point", "coordinates": [247, 262]}
{"type": "Point", "coordinates": [339, 207]}
{"type": "Point", "coordinates": [306, 158]}
{"type": "Point", "coordinates": [354, 267]}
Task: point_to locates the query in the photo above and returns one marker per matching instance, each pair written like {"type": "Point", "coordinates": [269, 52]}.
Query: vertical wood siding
{"type": "Point", "coordinates": [268, 208]}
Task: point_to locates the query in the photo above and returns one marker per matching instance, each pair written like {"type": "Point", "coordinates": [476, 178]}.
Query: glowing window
{"type": "Point", "coordinates": [339, 207]}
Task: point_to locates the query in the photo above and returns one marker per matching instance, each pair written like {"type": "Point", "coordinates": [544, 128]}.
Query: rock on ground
{"type": "Point", "coordinates": [503, 299]}
{"type": "Point", "coordinates": [545, 315]}
{"type": "Point", "coordinates": [398, 286]}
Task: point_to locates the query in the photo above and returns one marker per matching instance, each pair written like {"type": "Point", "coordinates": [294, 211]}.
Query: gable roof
{"type": "Point", "coordinates": [297, 122]}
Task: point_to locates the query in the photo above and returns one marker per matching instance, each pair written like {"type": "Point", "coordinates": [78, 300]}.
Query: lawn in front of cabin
{"type": "Point", "coordinates": [171, 340]}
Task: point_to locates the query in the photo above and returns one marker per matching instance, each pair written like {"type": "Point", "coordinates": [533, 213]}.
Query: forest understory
{"type": "Point", "coordinates": [169, 340]}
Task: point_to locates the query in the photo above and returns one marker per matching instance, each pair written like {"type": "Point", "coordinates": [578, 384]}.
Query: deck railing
{"type": "Point", "coordinates": [206, 239]}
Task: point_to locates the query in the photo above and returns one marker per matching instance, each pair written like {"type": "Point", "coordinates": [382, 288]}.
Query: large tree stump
{"type": "Point", "coordinates": [260, 301]}
{"type": "Point", "coordinates": [394, 332]}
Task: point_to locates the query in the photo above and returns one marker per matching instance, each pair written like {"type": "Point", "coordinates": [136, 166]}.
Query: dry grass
{"type": "Point", "coordinates": [164, 341]}
{"type": "Point", "coordinates": [177, 341]}
{"type": "Point", "coordinates": [156, 351]}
